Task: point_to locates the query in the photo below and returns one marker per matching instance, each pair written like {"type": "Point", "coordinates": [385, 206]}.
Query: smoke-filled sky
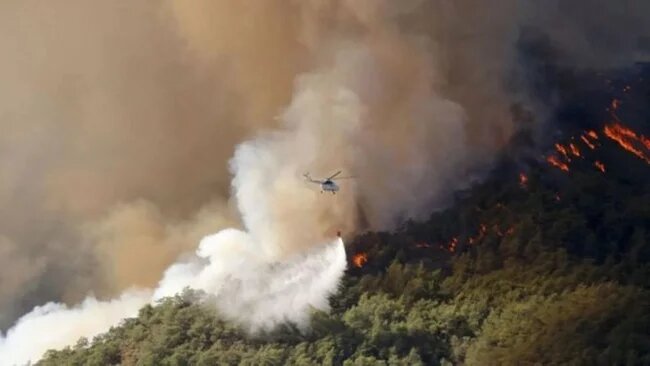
{"type": "Point", "coordinates": [119, 120]}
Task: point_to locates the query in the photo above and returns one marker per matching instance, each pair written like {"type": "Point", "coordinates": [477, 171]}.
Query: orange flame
{"type": "Point", "coordinates": [587, 142]}
{"type": "Point", "coordinates": [523, 180]}
{"type": "Point", "coordinates": [626, 138]}
{"type": "Point", "coordinates": [600, 166]}
{"type": "Point", "coordinates": [574, 150]}
{"type": "Point", "coordinates": [557, 163]}
{"type": "Point", "coordinates": [562, 150]}
{"type": "Point", "coordinates": [360, 259]}
{"type": "Point", "coordinates": [645, 141]}
{"type": "Point", "coordinates": [592, 134]}
{"type": "Point", "coordinates": [451, 246]}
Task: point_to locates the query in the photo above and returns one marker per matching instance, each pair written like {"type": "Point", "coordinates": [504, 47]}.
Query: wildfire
{"type": "Point", "coordinates": [627, 139]}
{"type": "Point", "coordinates": [451, 246]}
{"type": "Point", "coordinates": [523, 180]}
{"type": "Point", "coordinates": [587, 142]}
{"type": "Point", "coordinates": [562, 150]}
{"type": "Point", "coordinates": [574, 150]}
{"type": "Point", "coordinates": [359, 259]}
{"type": "Point", "coordinates": [645, 141]}
{"type": "Point", "coordinates": [481, 234]}
{"type": "Point", "coordinates": [592, 134]}
{"type": "Point", "coordinates": [482, 229]}
{"type": "Point", "coordinates": [557, 163]}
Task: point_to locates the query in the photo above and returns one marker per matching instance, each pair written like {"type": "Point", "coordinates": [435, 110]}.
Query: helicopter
{"type": "Point", "coordinates": [327, 185]}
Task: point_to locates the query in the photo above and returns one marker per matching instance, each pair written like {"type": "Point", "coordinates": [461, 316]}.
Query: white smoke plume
{"type": "Point", "coordinates": [54, 325]}
{"type": "Point", "coordinates": [370, 105]}
{"type": "Point", "coordinates": [276, 269]}
{"type": "Point", "coordinates": [271, 272]}
{"type": "Point", "coordinates": [264, 294]}
{"type": "Point", "coordinates": [260, 297]}
{"type": "Point", "coordinates": [111, 149]}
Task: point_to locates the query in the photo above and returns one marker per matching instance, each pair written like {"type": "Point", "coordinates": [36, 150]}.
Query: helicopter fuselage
{"type": "Point", "coordinates": [329, 186]}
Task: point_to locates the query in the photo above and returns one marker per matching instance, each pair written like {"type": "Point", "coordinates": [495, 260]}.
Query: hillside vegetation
{"type": "Point", "coordinates": [537, 265]}
{"type": "Point", "coordinates": [541, 273]}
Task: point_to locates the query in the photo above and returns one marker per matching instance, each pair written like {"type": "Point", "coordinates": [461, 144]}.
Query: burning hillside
{"type": "Point", "coordinates": [584, 153]}
{"type": "Point", "coordinates": [359, 259]}
{"type": "Point", "coordinates": [131, 173]}
{"type": "Point", "coordinates": [625, 138]}
{"type": "Point", "coordinates": [636, 144]}
{"type": "Point", "coordinates": [545, 249]}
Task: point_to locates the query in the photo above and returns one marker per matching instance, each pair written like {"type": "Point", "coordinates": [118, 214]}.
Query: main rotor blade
{"type": "Point", "coordinates": [334, 175]}
{"type": "Point", "coordinates": [343, 178]}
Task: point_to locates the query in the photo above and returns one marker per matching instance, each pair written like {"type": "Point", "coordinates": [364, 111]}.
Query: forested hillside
{"type": "Point", "coordinates": [545, 262]}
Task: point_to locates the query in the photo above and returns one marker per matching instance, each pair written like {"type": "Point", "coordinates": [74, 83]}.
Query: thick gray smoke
{"type": "Point", "coordinates": [118, 122]}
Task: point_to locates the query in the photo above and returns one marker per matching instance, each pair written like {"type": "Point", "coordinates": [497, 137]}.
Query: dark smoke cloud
{"type": "Point", "coordinates": [592, 33]}
{"type": "Point", "coordinates": [117, 120]}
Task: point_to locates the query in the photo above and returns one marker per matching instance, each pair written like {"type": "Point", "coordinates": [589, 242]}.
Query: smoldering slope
{"type": "Point", "coordinates": [116, 152]}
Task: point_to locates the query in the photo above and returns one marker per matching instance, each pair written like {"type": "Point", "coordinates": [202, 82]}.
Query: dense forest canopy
{"type": "Point", "coordinates": [545, 262]}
